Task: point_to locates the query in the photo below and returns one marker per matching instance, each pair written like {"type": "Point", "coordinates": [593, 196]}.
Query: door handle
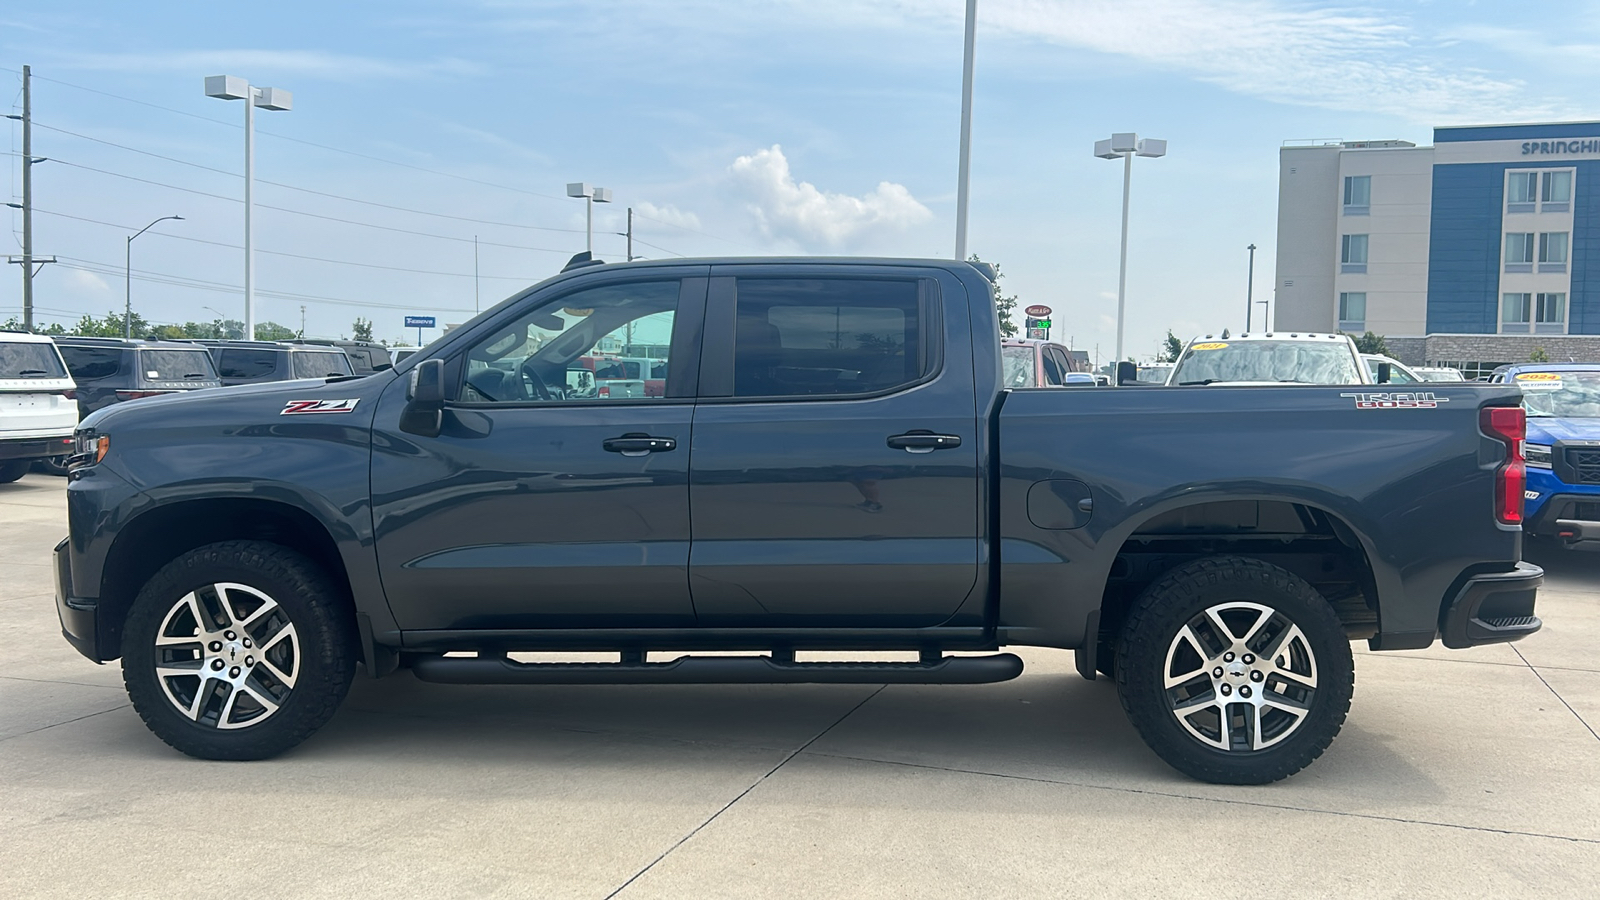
{"type": "Point", "coordinates": [923, 441]}
{"type": "Point", "coordinates": [639, 444]}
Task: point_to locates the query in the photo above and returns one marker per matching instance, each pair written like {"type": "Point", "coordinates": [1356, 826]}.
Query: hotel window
{"type": "Point", "coordinates": [1357, 195]}
{"type": "Point", "coordinates": [1353, 311]}
{"type": "Point", "coordinates": [1522, 191]}
{"type": "Point", "coordinates": [1519, 252]}
{"type": "Point", "coordinates": [1514, 313]}
{"type": "Point", "coordinates": [1555, 191]}
{"type": "Point", "coordinates": [1553, 251]}
{"type": "Point", "coordinates": [1353, 254]}
{"type": "Point", "coordinates": [1550, 314]}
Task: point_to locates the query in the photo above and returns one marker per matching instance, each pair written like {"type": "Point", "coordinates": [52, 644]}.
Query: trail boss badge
{"type": "Point", "coordinates": [318, 407]}
{"type": "Point", "coordinates": [1398, 400]}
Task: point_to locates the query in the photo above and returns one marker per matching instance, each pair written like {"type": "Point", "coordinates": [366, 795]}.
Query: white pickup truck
{"type": "Point", "coordinates": [37, 409]}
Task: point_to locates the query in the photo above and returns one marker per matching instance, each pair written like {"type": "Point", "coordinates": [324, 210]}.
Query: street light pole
{"type": "Point", "coordinates": [229, 87]}
{"type": "Point", "coordinates": [591, 195]}
{"type": "Point", "coordinates": [127, 276]}
{"type": "Point", "coordinates": [1126, 145]}
{"type": "Point", "coordinates": [964, 165]}
{"type": "Point", "coordinates": [1250, 288]}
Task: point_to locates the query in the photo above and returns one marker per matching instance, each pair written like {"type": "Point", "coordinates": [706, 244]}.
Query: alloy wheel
{"type": "Point", "coordinates": [227, 656]}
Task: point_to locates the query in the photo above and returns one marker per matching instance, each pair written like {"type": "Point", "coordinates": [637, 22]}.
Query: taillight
{"type": "Point", "coordinates": [1509, 424]}
{"type": "Point", "coordinates": [70, 395]}
{"type": "Point", "coordinates": [605, 390]}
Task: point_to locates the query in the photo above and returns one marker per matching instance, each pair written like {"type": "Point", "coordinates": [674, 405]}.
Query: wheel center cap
{"type": "Point", "coordinates": [1236, 670]}
{"type": "Point", "coordinates": [233, 652]}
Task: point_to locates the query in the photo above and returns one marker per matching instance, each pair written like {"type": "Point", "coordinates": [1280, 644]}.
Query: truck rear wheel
{"type": "Point", "coordinates": [1234, 671]}
{"type": "Point", "coordinates": [237, 650]}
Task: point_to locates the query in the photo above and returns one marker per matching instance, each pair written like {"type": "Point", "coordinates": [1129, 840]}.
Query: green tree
{"type": "Point", "coordinates": [362, 329]}
{"type": "Point", "coordinates": [1003, 305]}
{"type": "Point", "coordinates": [272, 331]}
{"type": "Point", "coordinates": [1171, 348]}
{"type": "Point", "coordinates": [1373, 343]}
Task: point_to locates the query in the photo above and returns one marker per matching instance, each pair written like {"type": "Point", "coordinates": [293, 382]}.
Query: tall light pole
{"type": "Point", "coordinates": [591, 195]}
{"type": "Point", "coordinates": [1125, 146]}
{"type": "Point", "coordinates": [229, 87]}
{"type": "Point", "coordinates": [127, 276]}
{"type": "Point", "coordinates": [1250, 288]}
{"type": "Point", "coordinates": [965, 163]}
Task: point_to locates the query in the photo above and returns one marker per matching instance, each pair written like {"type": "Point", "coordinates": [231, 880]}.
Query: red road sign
{"type": "Point", "coordinates": [1038, 312]}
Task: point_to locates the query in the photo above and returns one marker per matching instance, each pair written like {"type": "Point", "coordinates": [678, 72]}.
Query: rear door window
{"type": "Point", "coordinates": [317, 364]}
{"type": "Point", "coordinates": [240, 363]}
{"type": "Point", "coordinates": [92, 363]}
{"type": "Point", "coordinates": [30, 360]}
{"type": "Point", "coordinates": [176, 365]}
{"type": "Point", "coordinates": [826, 336]}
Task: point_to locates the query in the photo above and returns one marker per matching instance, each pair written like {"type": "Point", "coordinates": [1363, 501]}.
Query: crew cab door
{"type": "Point", "coordinates": [542, 505]}
{"type": "Point", "coordinates": [834, 480]}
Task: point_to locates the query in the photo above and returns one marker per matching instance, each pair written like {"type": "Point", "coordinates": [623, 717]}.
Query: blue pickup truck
{"type": "Point", "coordinates": [1563, 450]}
{"type": "Point", "coordinates": [832, 465]}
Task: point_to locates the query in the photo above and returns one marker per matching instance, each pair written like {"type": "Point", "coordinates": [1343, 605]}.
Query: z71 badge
{"type": "Point", "coordinates": [1398, 400]}
{"type": "Point", "coordinates": [318, 407]}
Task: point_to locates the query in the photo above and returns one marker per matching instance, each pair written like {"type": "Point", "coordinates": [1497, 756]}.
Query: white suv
{"type": "Point", "coordinates": [37, 412]}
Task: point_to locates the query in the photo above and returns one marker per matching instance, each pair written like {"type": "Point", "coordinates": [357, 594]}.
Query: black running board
{"type": "Point", "coordinates": [717, 670]}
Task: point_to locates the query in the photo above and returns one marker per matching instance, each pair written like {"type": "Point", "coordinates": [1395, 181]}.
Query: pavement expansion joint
{"type": "Point", "coordinates": [1286, 807]}
{"type": "Point", "coordinates": [753, 785]}
{"type": "Point", "coordinates": [66, 722]}
{"type": "Point", "coordinates": [1557, 694]}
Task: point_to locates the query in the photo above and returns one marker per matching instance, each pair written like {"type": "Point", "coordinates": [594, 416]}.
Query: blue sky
{"type": "Point", "coordinates": [731, 128]}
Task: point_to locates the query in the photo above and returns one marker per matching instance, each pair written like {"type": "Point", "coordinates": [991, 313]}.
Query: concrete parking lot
{"type": "Point", "coordinates": [1461, 774]}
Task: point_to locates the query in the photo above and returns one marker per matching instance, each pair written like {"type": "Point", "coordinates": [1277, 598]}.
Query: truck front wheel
{"type": "Point", "coordinates": [237, 650]}
{"type": "Point", "coordinates": [1234, 671]}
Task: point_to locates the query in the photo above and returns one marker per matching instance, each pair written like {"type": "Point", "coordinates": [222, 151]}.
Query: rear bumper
{"type": "Point", "coordinates": [36, 447]}
{"type": "Point", "coordinates": [1493, 608]}
{"type": "Point", "coordinates": [78, 616]}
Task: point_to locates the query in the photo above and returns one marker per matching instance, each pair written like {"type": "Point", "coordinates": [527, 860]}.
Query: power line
{"type": "Point", "coordinates": [637, 240]}
{"type": "Point", "coordinates": [291, 187]}
{"type": "Point", "coordinates": [342, 262]}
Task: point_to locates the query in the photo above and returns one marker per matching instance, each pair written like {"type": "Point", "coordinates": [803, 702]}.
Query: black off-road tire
{"type": "Point", "coordinates": [12, 469]}
{"type": "Point", "coordinates": [322, 622]}
{"type": "Point", "coordinates": [1176, 600]}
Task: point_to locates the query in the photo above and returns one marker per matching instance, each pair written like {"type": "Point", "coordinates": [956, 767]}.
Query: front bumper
{"type": "Point", "coordinates": [35, 448]}
{"type": "Point", "coordinates": [78, 616]}
{"type": "Point", "coordinates": [1493, 608]}
{"type": "Point", "coordinates": [1572, 518]}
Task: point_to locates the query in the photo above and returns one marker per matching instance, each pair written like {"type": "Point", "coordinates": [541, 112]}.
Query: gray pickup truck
{"type": "Point", "coordinates": [832, 465]}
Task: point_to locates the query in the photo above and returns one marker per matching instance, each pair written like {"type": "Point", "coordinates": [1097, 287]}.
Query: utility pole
{"type": "Point", "coordinates": [1249, 288]}
{"type": "Point", "coordinates": [474, 274]}
{"type": "Point", "coordinates": [964, 163]}
{"type": "Point", "coordinates": [630, 234]}
{"type": "Point", "coordinates": [302, 320]}
{"type": "Point", "coordinates": [28, 259]}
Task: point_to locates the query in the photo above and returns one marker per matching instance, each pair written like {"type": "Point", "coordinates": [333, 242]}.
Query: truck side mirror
{"type": "Point", "coordinates": [1385, 372]}
{"type": "Point", "coordinates": [424, 412]}
{"type": "Point", "coordinates": [1127, 373]}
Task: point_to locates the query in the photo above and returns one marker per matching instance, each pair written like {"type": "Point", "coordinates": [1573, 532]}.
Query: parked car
{"type": "Point", "coordinates": [252, 362]}
{"type": "Point", "coordinates": [1563, 450]}
{"type": "Point", "coordinates": [1270, 358]}
{"type": "Point", "coordinates": [365, 357]}
{"type": "Point", "coordinates": [1033, 363]}
{"type": "Point", "coordinates": [1155, 373]}
{"type": "Point", "coordinates": [115, 370]}
{"type": "Point", "coordinates": [1438, 373]}
{"type": "Point", "coordinates": [1213, 551]}
{"type": "Point", "coordinates": [1399, 372]}
{"type": "Point", "coordinates": [653, 372]}
{"type": "Point", "coordinates": [611, 377]}
{"type": "Point", "coordinates": [37, 413]}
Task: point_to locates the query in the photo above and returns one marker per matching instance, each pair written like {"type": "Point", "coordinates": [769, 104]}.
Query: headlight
{"type": "Point", "coordinates": [1537, 455]}
{"type": "Point", "coordinates": [88, 448]}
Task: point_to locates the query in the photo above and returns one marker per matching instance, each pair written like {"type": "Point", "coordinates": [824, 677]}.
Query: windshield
{"type": "Point", "coordinates": [1441, 375]}
{"type": "Point", "coordinates": [1016, 367]}
{"type": "Point", "coordinates": [30, 360]}
{"type": "Point", "coordinates": [319, 365]}
{"type": "Point", "coordinates": [1289, 362]}
{"type": "Point", "coordinates": [1561, 395]}
{"type": "Point", "coordinates": [1154, 374]}
{"type": "Point", "coordinates": [176, 365]}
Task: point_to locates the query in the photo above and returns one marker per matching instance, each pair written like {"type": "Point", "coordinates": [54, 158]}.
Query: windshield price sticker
{"type": "Point", "coordinates": [1398, 400]}
{"type": "Point", "coordinates": [1214, 345]}
{"type": "Point", "coordinates": [1539, 381]}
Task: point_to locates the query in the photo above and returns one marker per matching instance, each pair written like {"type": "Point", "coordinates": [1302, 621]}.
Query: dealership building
{"type": "Point", "coordinates": [1477, 251]}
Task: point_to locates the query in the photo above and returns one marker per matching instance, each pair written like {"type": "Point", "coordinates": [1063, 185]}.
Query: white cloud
{"type": "Point", "coordinates": [1282, 50]}
{"type": "Point", "coordinates": [668, 214]}
{"type": "Point", "coordinates": [337, 66]}
{"type": "Point", "coordinates": [87, 282]}
{"type": "Point", "coordinates": [785, 208]}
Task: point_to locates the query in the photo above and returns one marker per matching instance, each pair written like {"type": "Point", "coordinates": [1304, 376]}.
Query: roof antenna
{"type": "Point", "coordinates": [579, 260]}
